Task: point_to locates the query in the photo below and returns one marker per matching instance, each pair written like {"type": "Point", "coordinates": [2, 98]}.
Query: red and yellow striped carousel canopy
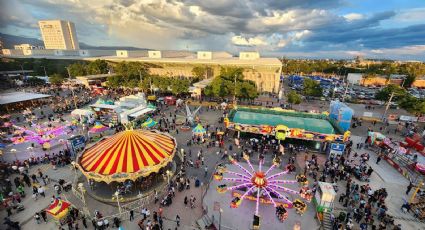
{"type": "Point", "coordinates": [131, 153]}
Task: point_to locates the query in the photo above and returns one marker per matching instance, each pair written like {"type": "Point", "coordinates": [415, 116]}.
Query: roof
{"type": "Point", "coordinates": [204, 83]}
{"type": "Point", "coordinates": [307, 122]}
{"type": "Point", "coordinates": [105, 106]}
{"type": "Point", "coordinates": [127, 155]}
{"type": "Point", "coordinates": [13, 97]}
{"type": "Point", "coordinates": [141, 112]}
{"type": "Point", "coordinates": [217, 61]}
{"type": "Point", "coordinates": [95, 76]}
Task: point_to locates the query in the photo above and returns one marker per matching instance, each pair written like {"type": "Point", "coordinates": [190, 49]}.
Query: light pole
{"type": "Point", "coordinates": [219, 219]}
{"type": "Point", "coordinates": [168, 176]}
{"type": "Point", "coordinates": [45, 72]}
{"type": "Point", "coordinates": [30, 148]}
{"type": "Point", "coordinates": [14, 153]}
{"type": "Point", "coordinates": [390, 99]}
{"type": "Point", "coordinates": [72, 90]}
{"type": "Point", "coordinates": [117, 196]}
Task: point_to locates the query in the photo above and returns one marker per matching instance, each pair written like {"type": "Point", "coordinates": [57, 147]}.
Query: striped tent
{"type": "Point", "coordinates": [199, 130]}
{"type": "Point", "coordinates": [58, 209]}
{"type": "Point", "coordinates": [127, 155]}
{"type": "Point", "coordinates": [98, 128]}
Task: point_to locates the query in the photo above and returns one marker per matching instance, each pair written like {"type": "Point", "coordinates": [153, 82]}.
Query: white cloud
{"type": "Point", "coordinates": [254, 41]}
{"type": "Point", "coordinates": [301, 34]}
{"type": "Point", "coordinates": [377, 51]}
{"type": "Point", "coordinates": [353, 16]}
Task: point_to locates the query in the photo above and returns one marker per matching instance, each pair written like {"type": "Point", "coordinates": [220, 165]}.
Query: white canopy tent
{"type": "Point", "coordinates": [82, 112]}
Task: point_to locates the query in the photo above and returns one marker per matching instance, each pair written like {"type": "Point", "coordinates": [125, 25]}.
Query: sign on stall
{"type": "Point", "coordinates": [408, 118]}
{"type": "Point", "coordinates": [337, 148]}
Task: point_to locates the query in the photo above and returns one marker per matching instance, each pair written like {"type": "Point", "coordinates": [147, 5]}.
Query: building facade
{"type": "Point", "coordinates": [27, 47]}
{"type": "Point", "coordinates": [59, 34]}
{"type": "Point", "coordinates": [265, 72]}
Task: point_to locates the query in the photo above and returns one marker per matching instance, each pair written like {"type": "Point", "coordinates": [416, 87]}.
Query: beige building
{"type": "Point", "coordinates": [27, 47]}
{"type": "Point", "coordinates": [59, 34]}
{"type": "Point", "coordinates": [265, 72]}
{"type": "Point", "coordinates": [12, 52]}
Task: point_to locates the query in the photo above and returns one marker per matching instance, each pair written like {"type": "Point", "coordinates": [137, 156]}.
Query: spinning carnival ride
{"type": "Point", "coordinates": [259, 186]}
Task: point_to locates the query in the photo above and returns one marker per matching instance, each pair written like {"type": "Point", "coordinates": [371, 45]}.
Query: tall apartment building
{"type": "Point", "coordinates": [59, 34]}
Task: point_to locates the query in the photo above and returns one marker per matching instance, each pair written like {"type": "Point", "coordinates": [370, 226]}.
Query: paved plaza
{"type": "Point", "coordinates": [384, 176]}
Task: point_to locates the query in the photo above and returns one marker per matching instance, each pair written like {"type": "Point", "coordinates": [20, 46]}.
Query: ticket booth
{"type": "Point", "coordinates": [324, 197]}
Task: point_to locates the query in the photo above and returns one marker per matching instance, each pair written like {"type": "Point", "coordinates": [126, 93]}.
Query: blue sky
{"type": "Point", "coordinates": [393, 29]}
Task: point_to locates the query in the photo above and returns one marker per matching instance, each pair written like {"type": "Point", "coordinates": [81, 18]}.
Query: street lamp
{"type": "Point", "coordinates": [30, 148]}
{"type": "Point", "coordinates": [117, 196]}
{"type": "Point", "coordinates": [168, 176]}
{"type": "Point", "coordinates": [14, 153]}
{"type": "Point", "coordinates": [45, 72]}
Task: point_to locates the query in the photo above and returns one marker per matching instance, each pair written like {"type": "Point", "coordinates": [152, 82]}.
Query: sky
{"type": "Point", "coordinates": [390, 29]}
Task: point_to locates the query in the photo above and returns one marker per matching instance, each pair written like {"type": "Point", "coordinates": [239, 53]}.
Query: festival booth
{"type": "Point", "coordinates": [59, 210]}
{"type": "Point", "coordinates": [138, 157]}
{"type": "Point", "coordinates": [324, 198]}
{"type": "Point", "coordinates": [82, 113]}
{"type": "Point", "coordinates": [170, 100]}
{"type": "Point", "coordinates": [282, 124]}
{"type": "Point", "coordinates": [98, 128]}
{"type": "Point", "coordinates": [199, 130]}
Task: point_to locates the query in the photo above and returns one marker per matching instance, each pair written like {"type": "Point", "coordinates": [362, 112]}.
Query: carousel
{"type": "Point", "coordinates": [130, 162]}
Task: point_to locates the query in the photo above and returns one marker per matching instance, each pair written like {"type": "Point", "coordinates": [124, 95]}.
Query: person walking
{"type": "Point", "coordinates": [40, 191]}
{"type": "Point", "coordinates": [185, 201]}
{"type": "Point", "coordinates": [178, 220]}
{"type": "Point", "coordinates": [43, 215]}
{"type": "Point", "coordinates": [131, 215]}
{"type": "Point", "coordinates": [37, 218]}
{"type": "Point", "coordinates": [206, 171]}
{"type": "Point", "coordinates": [379, 158]}
{"type": "Point", "coordinates": [83, 219]}
{"type": "Point", "coordinates": [409, 187]}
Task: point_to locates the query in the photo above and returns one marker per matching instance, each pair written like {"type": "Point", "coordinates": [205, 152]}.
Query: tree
{"type": "Point", "coordinates": [385, 93]}
{"type": "Point", "coordinates": [246, 90]}
{"type": "Point", "coordinates": [293, 98]}
{"type": "Point", "coordinates": [180, 86]}
{"type": "Point", "coordinates": [56, 79]}
{"type": "Point", "coordinates": [77, 69]}
{"type": "Point", "coordinates": [129, 74]}
{"type": "Point", "coordinates": [199, 72]}
{"type": "Point", "coordinates": [312, 88]}
{"type": "Point", "coordinates": [97, 67]}
{"type": "Point", "coordinates": [33, 81]}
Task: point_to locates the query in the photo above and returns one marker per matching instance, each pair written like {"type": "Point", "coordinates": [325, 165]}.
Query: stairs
{"type": "Point", "coordinates": [204, 223]}
{"type": "Point", "coordinates": [327, 223]}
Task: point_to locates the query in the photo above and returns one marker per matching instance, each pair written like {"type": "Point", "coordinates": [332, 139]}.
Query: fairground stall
{"type": "Point", "coordinates": [319, 129]}
{"type": "Point", "coordinates": [129, 162]}
{"type": "Point", "coordinates": [324, 197]}
{"type": "Point", "coordinates": [59, 210]}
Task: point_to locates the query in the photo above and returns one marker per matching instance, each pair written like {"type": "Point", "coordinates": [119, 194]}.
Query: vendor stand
{"type": "Point", "coordinates": [59, 210]}
{"type": "Point", "coordinates": [324, 198]}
